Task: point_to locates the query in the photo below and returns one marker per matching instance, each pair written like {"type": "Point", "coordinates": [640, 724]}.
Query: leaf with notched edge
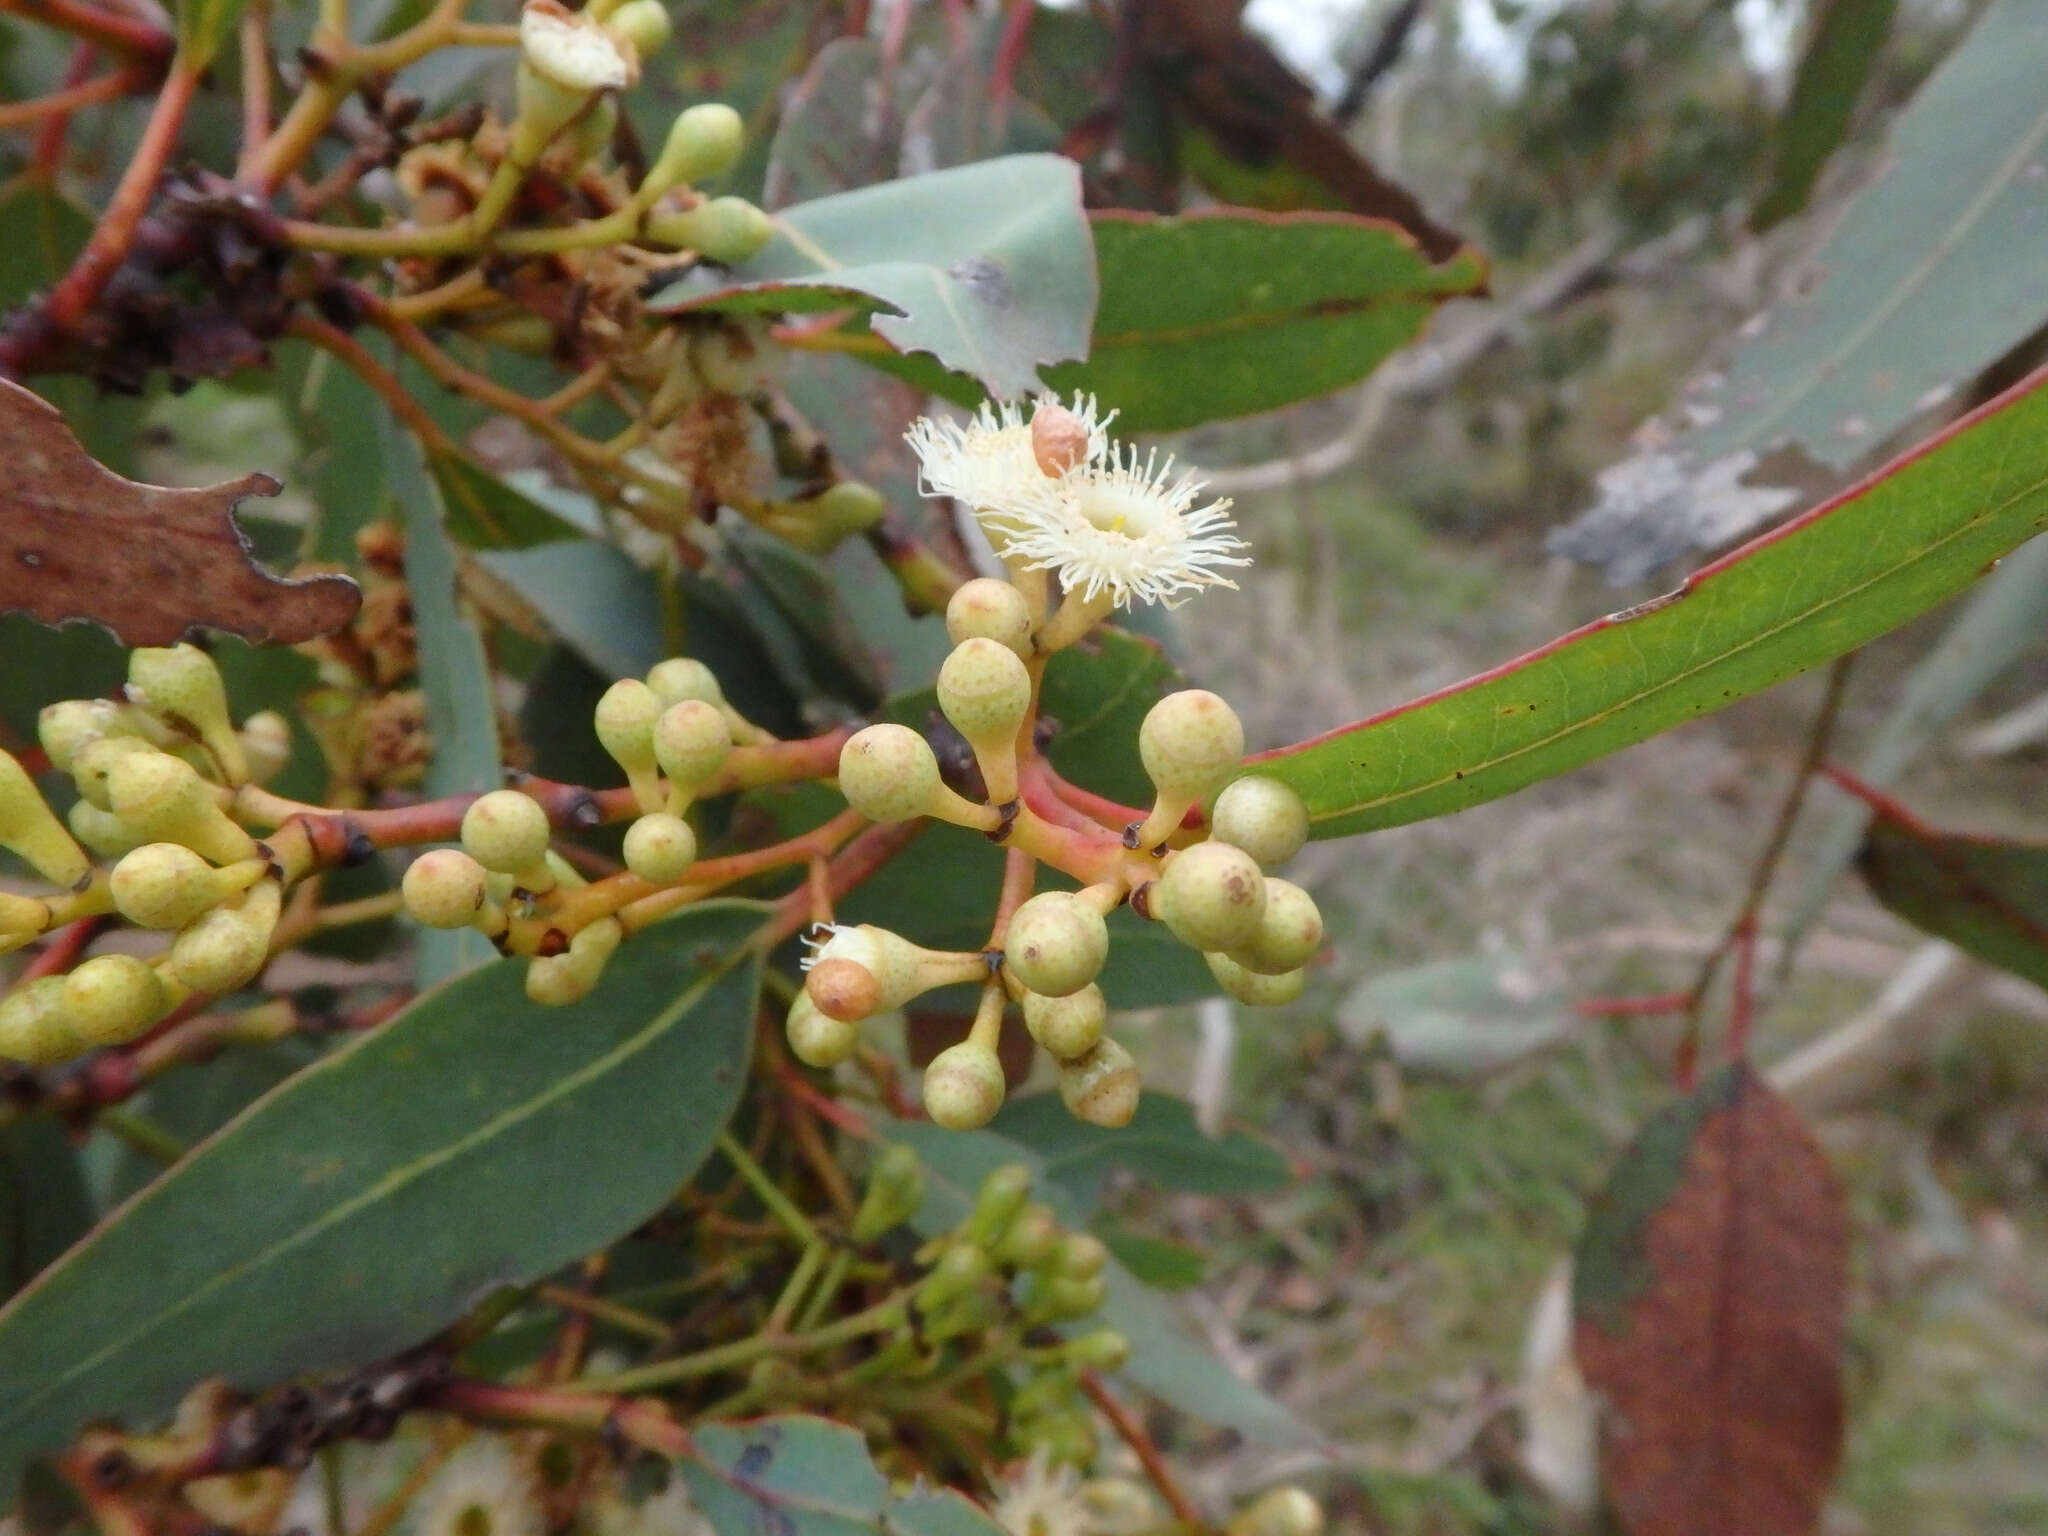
{"type": "Point", "coordinates": [77, 541]}
{"type": "Point", "coordinates": [1708, 1311]}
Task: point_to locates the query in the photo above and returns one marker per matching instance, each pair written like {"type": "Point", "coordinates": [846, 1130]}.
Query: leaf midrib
{"type": "Point", "coordinates": [1469, 771]}
{"type": "Point", "coordinates": [392, 1182]}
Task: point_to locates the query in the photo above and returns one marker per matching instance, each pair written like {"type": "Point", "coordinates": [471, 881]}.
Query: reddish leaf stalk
{"type": "Point", "coordinates": [50, 142]}
{"type": "Point", "coordinates": [62, 103]}
{"type": "Point", "coordinates": [1132, 1433]}
{"type": "Point", "coordinates": [109, 29]}
{"type": "Point", "coordinates": [62, 952]}
{"type": "Point", "coordinates": [1887, 806]}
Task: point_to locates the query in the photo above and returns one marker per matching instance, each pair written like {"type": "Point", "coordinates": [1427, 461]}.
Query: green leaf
{"type": "Point", "coordinates": [1842, 45]}
{"type": "Point", "coordinates": [477, 1140]}
{"type": "Point", "coordinates": [1153, 1261]}
{"type": "Point", "coordinates": [797, 1475]}
{"type": "Point", "coordinates": [487, 511]}
{"type": "Point", "coordinates": [1458, 1018]}
{"type": "Point", "coordinates": [455, 675]}
{"type": "Point", "coordinates": [45, 1206]}
{"type": "Point", "coordinates": [2004, 619]}
{"type": "Point", "coordinates": [1984, 895]}
{"type": "Point", "coordinates": [593, 599]}
{"type": "Point", "coordinates": [1915, 291]}
{"type": "Point", "coordinates": [1162, 1145]}
{"type": "Point", "coordinates": [1883, 552]}
{"type": "Point", "coordinates": [1165, 1359]}
{"type": "Point", "coordinates": [834, 135]}
{"type": "Point", "coordinates": [1228, 311]}
{"type": "Point", "coordinates": [987, 267]}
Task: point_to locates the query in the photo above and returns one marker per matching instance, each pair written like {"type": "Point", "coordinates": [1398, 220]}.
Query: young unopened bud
{"type": "Point", "coordinates": [684, 677]}
{"type": "Point", "coordinates": [1101, 1087]}
{"type": "Point", "coordinates": [889, 773]}
{"type": "Point", "coordinates": [1067, 1440]}
{"type": "Point", "coordinates": [858, 971]}
{"type": "Point", "coordinates": [30, 830]}
{"type": "Point", "coordinates": [1103, 1350]}
{"type": "Point", "coordinates": [182, 687]}
{"type": "Point", "coordinates": [1061, 1299]}
{"type": "Point", "coordinates": [1081, 1256]}
{"type": "Point", "coordinates": [1059, 438]}
{"type": "Point", "coordinates": [167, 885]}
{"type": "Point", "coordinates": [1032, 1239]}
{"type": "Point", "coordinates": [987, 609]}
{"type": "Point", "coordinates": [101, 831]}
{"type": "Point", "coordinates": [1290, 931]}
{"type": "Point", "coordinates": [691, 742]}
{"type": "Point", "coordinates": [847, 507]}
{"type": "Point", "coordinates": [1190, 743]}
{"type": "Point", "coordinates": [1211, 896]}
{"type": "Point", "coordinates": [21, 919]}
{"type": "Point", "coordinates": [34, 1027]}
{"type": "Point", "coordinates": [508, 832]}
{"type": "Point", "coordinates": [66, 728]}
{"type": "Point", "coordinates": [1263, 817]}
{"type": "Point", "coordinates": [164, 800]}
{"type": "Point", "coordinates": [997, 1204]}
{"type": "Point", "coordinates": [1068, 1026]}
{"type": "Point", "coordinates": [895, 1190]}
{"type": "Point", "coordinates": [266, 745]}
{"type": "Point", "coordinates": [94, 762]}
{"type": "Point", "coordinates": [963, 1086]}
{"type": "Point", "coordinates": [985, 691]}
{"type": "Point", "coordinates": [110, 999]}
{"type": "Point", "coordinates": [815, 1037]}
{"type": "Point", "coordinates": [726, 230]}
{"type": "Point", "coordinates": [961, 1269]}
{"type": "Point", "coordinates": [445, 888]}
{"type": "Point", "coordinates": [1056, 944]}
{"type": "Point", "coordinates": [557, 980]}
{"type": "Point", "coordinates": [644, 24]}
{"type": "Point", "coordinates": [1252, 989]}
{"type": "Point", "coordinates": [703, 141]}
{"type": "Point", "coordinates": [843, 989]}
{"type": "Point", "coordinates": [624, 720]}
{"type": "Point", "coordinates": [660, 848]}
{"type": "Point", "coordinates": [1286, 1511]}
{"type": "Point", "coordinates": [227, 947]}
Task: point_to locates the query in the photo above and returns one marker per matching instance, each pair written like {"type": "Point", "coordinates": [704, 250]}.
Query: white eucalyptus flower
{"type": "Point", "coordinates": [484, 1489]}
{"type": "Point", "coordinates": [989, 464]}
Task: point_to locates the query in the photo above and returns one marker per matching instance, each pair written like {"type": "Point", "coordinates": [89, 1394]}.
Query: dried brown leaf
{"type": "Point", "coordinates": [78, 541]}
{"type": "Point", "coordinates": [1709, 1299]}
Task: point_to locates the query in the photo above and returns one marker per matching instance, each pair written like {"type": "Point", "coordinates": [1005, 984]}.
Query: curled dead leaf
{"type": "Point", "coordinates": [150, 563]}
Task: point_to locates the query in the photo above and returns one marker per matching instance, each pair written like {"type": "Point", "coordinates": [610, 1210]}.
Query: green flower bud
{"type": "Point", "coordinates": [1032, 1239]}
{"type": "Point", "coordinates": [1102, 1086]}
{"type": "Point", "coordinates": [1251, 988]}
{"type": "Point", "coordinates": [1211, 895]}
{"type": "Point", "coordinates": [445, 888]}
{"type": "Point", "coordinates": [1190, 743]}
{"type": "Point", "coordinates": [1080, 1256]}
{"type": "Point", "coordinates": [961, 1269]}
{"type": "Point", "coordinates": [30, 830]}
{"type": "Point", "coordinates": [1056, 944]}
{"type": "Point", "coordinates": [34, 1027]}
{"type": "Point", "coordinates": [164, 800]}
{"type": "Point", "coordinates": [691, 742]}
{"type": "Point", "coordinates": [660, 848]}
{"type": "Point", "coordinates": [227, 947]}
{"type": "Point", "coordinates": [557, 980]}
{"type": "Point", "coordinates": [167, 885]}
{"type": "Point", "coordinates": [1103, 1350]}
{"type": "Point", "coordinates": [963, 1086]}
{"type": "Point", "coordinates": [721, 229]}
{"type": "Point", "coordinates": [66, 728]}
{"type": "Point", "coordinates": [895, 1190]}
{"type": "Point", "coordinates": [858, 971]}
{"type": "Point", "coordinates": [850, 507]}
{"type": "Point", "coordinates": [1286, 1511]}
{"type": "Point", "coordinates": [94, 760]}
{"type": "Point", "coordinates": [888, 773]}
{"type": "Point", "coordinates": [1068, 1026]}
{"type": "Point", "coordinates": [1063, 1298]}
{"type": "Point", "coordinates": [21, 919]}
{"type": "Point", "coordinates": [182, 687]}
{"type": "Point", "coordinates": [997, 1205]}
{"type": "Point", "coordinates": [101, 831]}
{"type": "Point", "coordinates": [985, 692]}
{"type": "Point", "coordinates": [644, 24]}
{"type": "Point", "coordinates": [815, 1037]}
{"type": "Point", "coordinates": [508, 832]}
{"type": "Point", "coordinates": [266, 745]}
{"type": "Point", "coordinates": [703, 141]}
{"type": "Point", "coordinates": [987, 609]}
{"type": "Point", "coordinates": [110, 999]}
{"type": "Point", "coordinates": [1290, 931]}
{"type": "Point", "coordinates": [1263, 817]}
{"type": "Point", "coordinates": [684, 677]}
{"type": "Point", "coordinates": [1068, 1440]}
{"type": "Point", "coordinates": [624, 720]}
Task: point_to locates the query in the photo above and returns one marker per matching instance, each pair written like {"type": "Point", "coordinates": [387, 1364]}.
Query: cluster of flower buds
{"type": "Point", "coordinates": [1009, 1271]}
{"type": "Point", "coordinates": [152, 773]}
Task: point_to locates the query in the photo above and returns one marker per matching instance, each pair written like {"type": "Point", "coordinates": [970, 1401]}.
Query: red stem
{"type": "Point", "coordinates": [1742, 991]}
{"type": "Point", "coordinates": [123, 34]}
{"type": "Point", "coordinates": [1646, 1005]}
{"type": "Point", "coordinates": [50, 142]}
{"type": "Point", "coordinates": [1132, 1433]}
{"type": "Point", "coordinates": [1880, 803]}
{"type": "Point", "coordinates": [60, 104]}
{"type": "Point", "coordinates": [62, 952]}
